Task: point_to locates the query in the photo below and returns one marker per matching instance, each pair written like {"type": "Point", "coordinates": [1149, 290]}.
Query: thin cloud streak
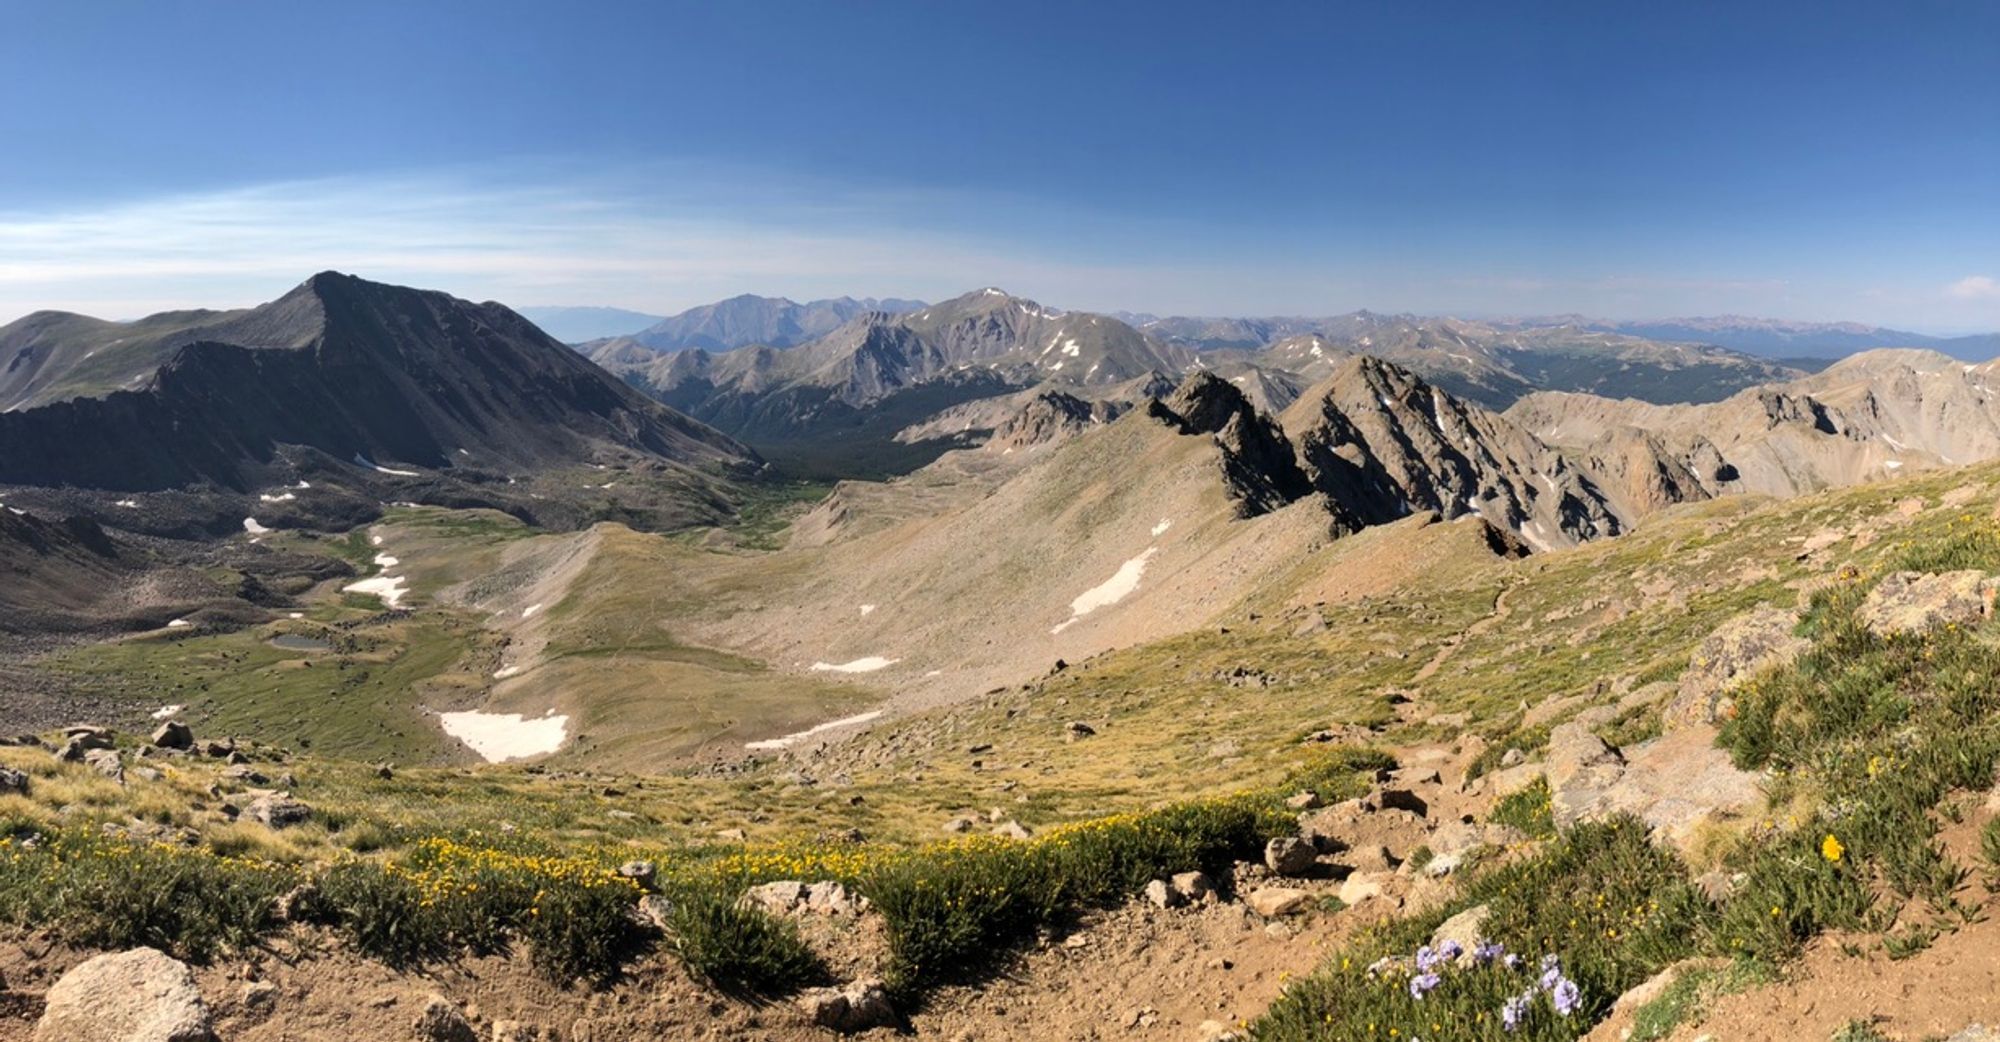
{"type": "Point", "coordinates": [665, 237]}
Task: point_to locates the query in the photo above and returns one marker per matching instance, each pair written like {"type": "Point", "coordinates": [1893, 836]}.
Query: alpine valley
{"type": "Point", "coordinates": [379, 665]}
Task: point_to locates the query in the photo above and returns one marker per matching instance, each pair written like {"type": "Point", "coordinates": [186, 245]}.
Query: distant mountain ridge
{"type": "Point", "coordinates": [353, 369]}
{"type": "Point", "coordinates": [746, 320]}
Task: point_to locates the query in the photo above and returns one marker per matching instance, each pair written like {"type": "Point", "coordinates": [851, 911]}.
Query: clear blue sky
{"type": "Point", "coordinates": [1812, 160]}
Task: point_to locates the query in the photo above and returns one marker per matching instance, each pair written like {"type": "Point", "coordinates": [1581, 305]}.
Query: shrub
{"type": "Point", "coordinates": [1527, 809]}
{"type": "Point", "coordinates": [102, 892]}
{"type": "Point", "coordinates": [737, 947]}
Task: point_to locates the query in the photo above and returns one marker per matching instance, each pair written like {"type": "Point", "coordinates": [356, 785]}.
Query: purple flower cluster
{"type": "Point", "coordinates": [1564, 994]}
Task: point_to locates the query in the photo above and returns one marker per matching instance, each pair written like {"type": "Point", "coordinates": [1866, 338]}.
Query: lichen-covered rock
{"type": "Point", "coordinates": [138, 996]}
{"type": "Point", "coordinates": [1739, 649]}
{"type": "Point", "coordinates": [1290, 856]}
{"type": "Point", "coordinates": [1912, 602]}
{"type": "Point", "coordinates": [278, 811]}
{"type": "Point", "coordinates": [857, 1007]}
{"type": "Point", "coordinates": [440, 1021]}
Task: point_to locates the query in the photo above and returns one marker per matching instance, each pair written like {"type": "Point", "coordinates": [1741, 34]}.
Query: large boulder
{"type": "Point", "coordinates": [1290, 856]}
{"type": "Point", "coordinates": [106, 762]}
{"type": "Point", "coordinates": [174, 735]}
{"type": "Point", "coordinates": [1912, 602]}
{"type": "Point", "coordinates": [13, 782]}
{"type": "Point", "coordinates": [440, 1021]}
{"type": "Point", "coordinates": [137, 996]}
{"type": "Point", "coordinates": [1273, 902]}
{"type": "Point", "coordinates": [1739, 649]}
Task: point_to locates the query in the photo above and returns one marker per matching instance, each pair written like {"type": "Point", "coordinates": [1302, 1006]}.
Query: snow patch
{"type": "Point", "coordinates": [774, 744]}
{"type": "Point", "coordinates": [285, 497]}
{"type": "Point", "coordinates": [1110, 591]}
{"type": "Point", "coordinates": [390, 588]}
{"type": "Point", "coordinates": [1161, 528]}
{"type": "Point", "coordinates": [251, 526]}
{"type": "Point", "coordinates": [179, 624]}
{"type": "Point", "coordinates": [529, 611]}
{"type": "Point", "coordinates": [509, 671]}
{"type": "Point", "coordinates": [168, 712]}
{"type": "Point", "coordinates": [129, 504]}
{"type": "Point", "coordinates": [866, 610]}
{"type": "Point", "coordinates": [1894, 464]}
{"type": "Point", "coordinates": [499, 737]}
{"type": "Point", "coordinates": [861, 665]}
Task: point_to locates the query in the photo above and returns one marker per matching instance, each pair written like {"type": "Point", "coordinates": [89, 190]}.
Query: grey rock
{"type": "Point", "coordinates": [640, 872]}
{"type": "Point", "coordinates": [440, 1021]}
{"type": "Point", "coordinates": [278, 811]}
{"type": "Point", "coordinates": [858, 1007]}
{"type": "Point", "coordinates": [1192, 886]}
{"type": "Point", "coordinates": [106, 762]}
{"type": "Point", "coordinates": [13, 781]}
{"type": "Point", "coordinates": [1290, 856]}
{"type": "Point", "coordinates": [1912, 602]}
{"type": "Point", "coordinates": [1737, 650]}
{"type": "Point", "coordinates": [174, 735]}
{"type": "Point", "coordinates": [137, 996]}
{"type": "Point", "coordinates": [1162, 895]}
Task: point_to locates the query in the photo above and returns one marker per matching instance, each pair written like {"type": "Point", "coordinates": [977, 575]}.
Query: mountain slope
{"type": "Point", "coordinates": [354, 369]}
{"type": "Point", "coordinates": [1870, 416]}
{"type": "Point", "coordinates": [1382, 444]}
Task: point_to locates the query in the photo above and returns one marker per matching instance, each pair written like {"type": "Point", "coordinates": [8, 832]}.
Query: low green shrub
{"type": "Point", "coordinates": [1528, 809]}
{"type": "Point", "coordinates": [736, 947]}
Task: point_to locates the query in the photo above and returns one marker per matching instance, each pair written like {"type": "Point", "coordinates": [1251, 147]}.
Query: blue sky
{"type": "Point", "coordinates": [1813, 161]}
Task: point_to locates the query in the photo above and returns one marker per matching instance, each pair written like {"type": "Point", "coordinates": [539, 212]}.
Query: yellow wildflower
{"type": "Point", "coordinates": [1830, 848]}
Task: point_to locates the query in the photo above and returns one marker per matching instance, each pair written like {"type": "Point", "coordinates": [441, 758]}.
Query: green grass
{"type": "Point", "coordinates": [1526, 809]}
{"type": "Point", "coordinates": [1691, 992]}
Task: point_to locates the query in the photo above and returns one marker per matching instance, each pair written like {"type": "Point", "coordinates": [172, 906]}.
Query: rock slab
{"type": "Point", "coordinates": [138, 996]}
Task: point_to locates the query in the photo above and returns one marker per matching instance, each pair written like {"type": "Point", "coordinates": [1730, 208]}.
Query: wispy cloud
{"type": "Point", "coordinates": [1974, 287]}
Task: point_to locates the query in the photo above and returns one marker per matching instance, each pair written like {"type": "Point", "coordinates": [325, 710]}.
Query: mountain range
{"type": "Point", "coordinates": [882, 384]}
{"type": "Point", "coordinates": [342, 387]}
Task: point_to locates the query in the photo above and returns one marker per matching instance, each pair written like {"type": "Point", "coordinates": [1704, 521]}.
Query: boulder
{"type": "Point", "coordinates": [858, 1007]}
{"type": "Point", "coordinates": [1363, 886]}
{"type": "Point", "coordinates": [1976, 1033]}
{"type": "Point", "coordinates": [1290, 856]}
{"type": "Point", "coordinates": [1737, 650]}
{"type": "Point", "coordinates": [639, 872]}
{"type": "Point", "coordinates": [1192, 886]}
{"type": "Point", "coordinates": [1077, 729]}
{"type": "Point", "coordinates": [515, 1031]}
{"type": "Point", "coordinates": [13, 782]}
{"type": "Point", "coordinates": [278, 811]}
{"type": "Point", "coordinates": [76, 745]}
{"type": "Point", "coordinates": [1011, 830]}
{"type": "Point", "coordinates": [1303, 800]}
{"type": "Point", "coordinates": [1467, 928]}
{"type": "Point", "coordinates": [777, 898]}
{"type": "Point", "coordinates": [1387, 798]}
{"type": "Point", "coordinates": [1273, 902]}
{"type": "Point", "coordinates": [174, 735]}
{"type": "Point", "coordinates": [106, 762]}
{"type": "Point", "coordinates": [136, 996]}
{"type": "Point", "coordinates": [831, 898]}
{"type": "Point", "coordinates": [1912, 602]}
{"type": "Point", "coordinates": [1163, 895]}
{"type": "Point", "coordinates": [440, 1021]}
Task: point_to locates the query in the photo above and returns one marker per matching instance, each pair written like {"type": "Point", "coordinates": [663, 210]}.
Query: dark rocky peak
{"type": "Point", "coordinates": [1259, 464]}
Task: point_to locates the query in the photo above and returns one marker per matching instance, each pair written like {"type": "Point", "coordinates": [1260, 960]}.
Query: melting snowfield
{"type": "Point", "coordinates": [773, 744]}
{"type": "Point", "coordinates": [860, 665]}
{"type": "Point", "coordinates": [251, 526]}
{"type": "Point", "coordinates": [499, 737]}
{"type": "Point", "coordinates": [391, 588]}
{"type": "Point", "coordinates": [1110, 591]}
{"type": "Point", "coordinates": [168, 712]}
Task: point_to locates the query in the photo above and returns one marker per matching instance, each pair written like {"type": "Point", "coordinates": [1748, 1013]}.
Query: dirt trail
{"type": "Point", "coordinates": [1494, 617]}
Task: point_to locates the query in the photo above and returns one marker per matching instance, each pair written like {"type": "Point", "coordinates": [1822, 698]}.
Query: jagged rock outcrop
{"type": "Point", "coordinates": [1049, 417]}
{"type": "Point", "coordinates": [1381, 444]}
{"type": "Point", "coordinates": [1258, 462]}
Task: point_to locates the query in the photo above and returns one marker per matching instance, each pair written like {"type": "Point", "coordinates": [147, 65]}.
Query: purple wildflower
{"type": "Point", "coordinates": [1422, 983]}
{"type": "Point", "coordinates": [1512, 961]}
{"type": "Point", "coordinates": [1516, 1010]}
{"type": "Point", "coordinates": [1426, 958]}
{"type": "Point", "coordinates": [1567, 996]}
{"type": "Point", "coordinates": [1487, 951]}
{"type": "Point", "coordinates": [1451, 950]}
{"type": "Point", "coordinates": [1552, 973]}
